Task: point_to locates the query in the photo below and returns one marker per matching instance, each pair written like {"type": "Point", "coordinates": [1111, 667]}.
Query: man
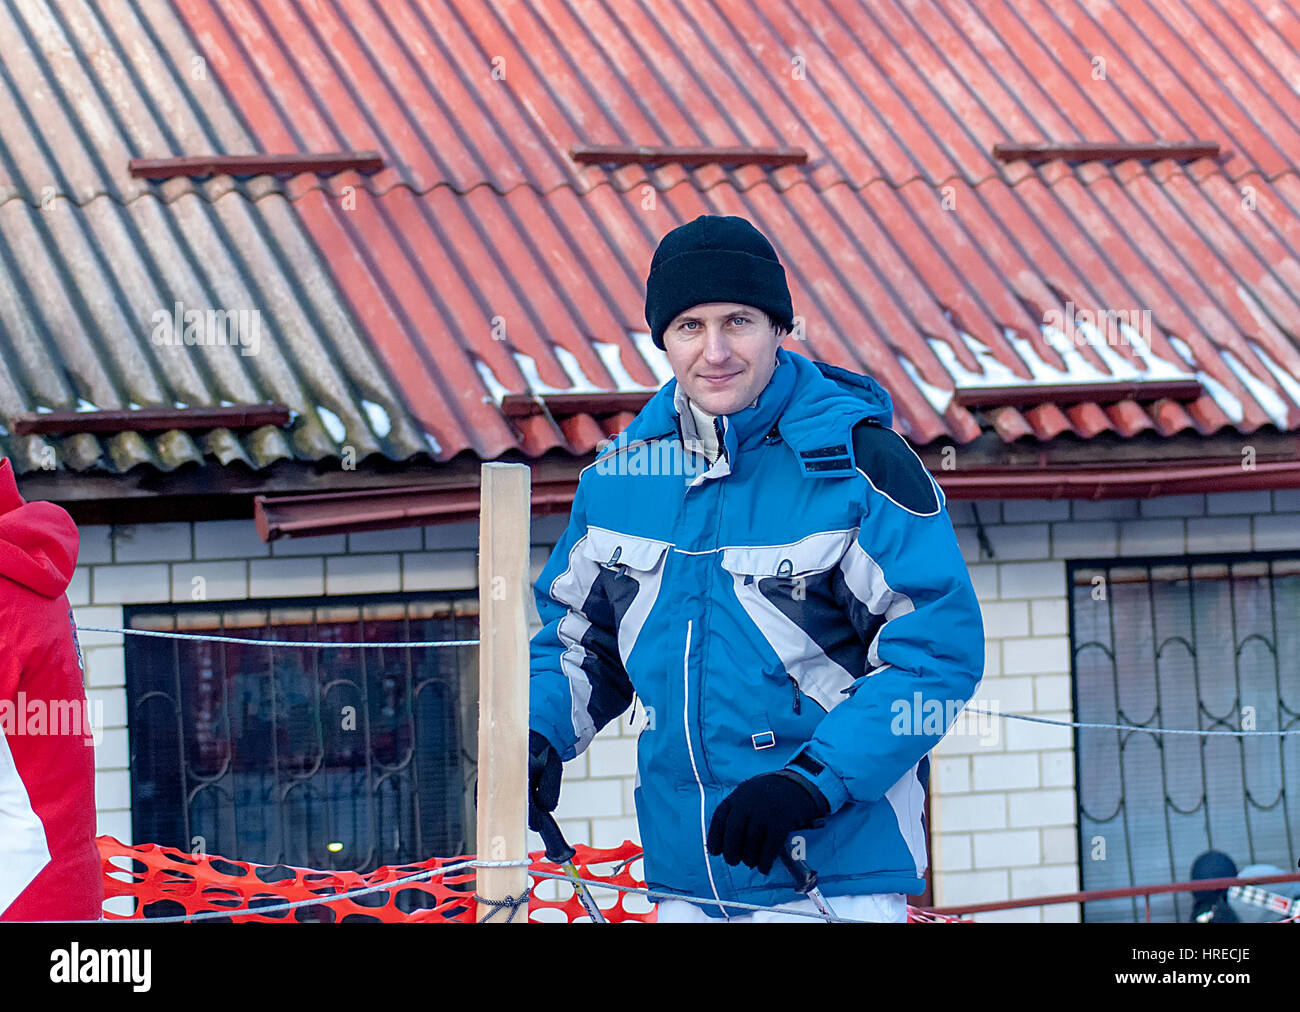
{"type": "Point", "coordinates": [49, 863]}
{"type": "Point", "coordinates": [780, 609]}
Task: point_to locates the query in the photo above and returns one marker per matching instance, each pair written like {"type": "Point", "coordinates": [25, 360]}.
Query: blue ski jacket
{"type": "Point", "coordinates": [801, 604]}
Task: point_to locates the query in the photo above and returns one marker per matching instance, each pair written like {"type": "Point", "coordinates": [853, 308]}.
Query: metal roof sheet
{"type": "Point", "coordinates": [399, 307]}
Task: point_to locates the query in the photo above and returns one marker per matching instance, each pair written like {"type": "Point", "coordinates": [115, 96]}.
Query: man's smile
{"type": "Point", "coordinates": [721, 380]}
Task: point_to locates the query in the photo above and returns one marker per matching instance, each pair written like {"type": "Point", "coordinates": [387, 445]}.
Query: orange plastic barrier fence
{"type": "Point", "coordinates": [170, 883]}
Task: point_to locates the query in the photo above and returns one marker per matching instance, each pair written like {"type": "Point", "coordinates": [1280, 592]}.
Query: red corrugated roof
{"type": "Point", "coordinates": [483, 260]}
{"type": "Point", "coordinates": [887, 280]}
{"type": "Point", "coordinates": [484, 216]}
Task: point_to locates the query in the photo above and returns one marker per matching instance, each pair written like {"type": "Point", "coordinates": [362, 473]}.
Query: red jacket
{"type": "Point", "coordinates": [49, 863]}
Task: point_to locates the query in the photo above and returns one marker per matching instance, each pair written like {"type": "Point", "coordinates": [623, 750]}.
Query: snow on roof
{"type": "Point", "coordinates": [611, 355]}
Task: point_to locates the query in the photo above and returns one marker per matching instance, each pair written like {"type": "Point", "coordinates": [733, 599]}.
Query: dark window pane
{"type": "Point", "coordinates": [342, 758]}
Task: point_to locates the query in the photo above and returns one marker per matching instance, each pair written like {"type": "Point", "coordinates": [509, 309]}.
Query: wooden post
{"type": "Point", "coordinates": [503, 576]}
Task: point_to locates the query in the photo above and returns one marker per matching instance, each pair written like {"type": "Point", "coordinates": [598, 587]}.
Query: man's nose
{"type": "Point", "coordinates": [716, 348]}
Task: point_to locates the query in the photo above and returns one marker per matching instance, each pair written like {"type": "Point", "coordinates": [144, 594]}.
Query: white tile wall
{"type": "Point", "coordinates": [329, 544]}
{"type": "Point", "coordinates": [403, 540]}
{"type": "Point", "coordinates": [79, 588]}
{"type": "Point", "coordinates": [1030, 579]}
{"type": "Point", "coordinates": [1238, 502]}
{"type": "Point", "coordinates": [952, 851]}
{"type": "Point", "coordinates": [985, 886]}
{"type": "Point", "coordinates": [1278, 532]}
{"type": "Point", "coordinates": [1019, 541]}
{"type": "Point", "coordinates": [1081, 539]}
{"type": "Point", "coordinates": [130, 584]}
{"type": "Point", "coordinates": [951, 774]}
{"type": "Point", "coordinates": [1033, 655]}
{"type": "Point", "coordinates": [439, 570]}
{"type": "Point", "coordinates": [96, 545]}
{"type": "Point", "coordinates": [1008, 618]}
{"type": "Point", "coordinates": [1153, 537]}
{"type": "Point", "coordinates": [1000, 771]}
{"type": "Point", "coordinates": [210, 581]}
{"type": "Point", "coordinates": [1218, 534]}
{"type": "Point", "coordinates": [1048, 617]}
{"type": "Point", "coordinates": [1173, 506]}
{"type": "Point", "coordinates": [303, 577]}
{"type": "Point", "coordinates": [228, 539]}
{"type": "Point", "coordinates": [363, 574]}
{"type": "Point", "coordinates": [153, 542]}
{"type": "Point", "coordinates": [1008, 848]}
{"type": "Point", "coordinates": [1286, 500]}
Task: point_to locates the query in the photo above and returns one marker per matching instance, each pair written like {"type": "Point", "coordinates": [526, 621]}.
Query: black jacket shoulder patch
{"type": "Point", "coordinates": [894, 468]}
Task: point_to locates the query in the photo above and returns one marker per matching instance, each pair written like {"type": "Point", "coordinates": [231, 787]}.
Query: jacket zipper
{"type": "Point", "coordinates": [717, 531]}
{"type": "Point", "coordinates": [690, 750]}
{"type": "Point", "coordinates": [798, 708]}
{"type": "Point", "coordinates": [722, 491]}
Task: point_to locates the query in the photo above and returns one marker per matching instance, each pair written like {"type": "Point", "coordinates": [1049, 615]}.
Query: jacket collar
{"type": "Point", "coordinates": [811, 406]}
{"type": "Point", "coordinates": [818, 423]}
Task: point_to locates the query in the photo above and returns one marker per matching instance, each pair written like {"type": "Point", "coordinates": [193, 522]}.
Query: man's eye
{"type": "Point", "coordinates": [743, 319]}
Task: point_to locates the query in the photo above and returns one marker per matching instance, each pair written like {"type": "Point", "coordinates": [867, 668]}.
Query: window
{"type": "Point", "coordinates": [346, 758]}
{"type": "Point", "coordinates": [1203, 642]}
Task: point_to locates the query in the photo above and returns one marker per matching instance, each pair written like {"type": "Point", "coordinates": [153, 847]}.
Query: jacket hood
{"type": "Point", "coordinates": [816, 407]}
{"type": "Point", "coordinates": [827, 404]}
{"type": "Point", "coordinates": [38, 540]}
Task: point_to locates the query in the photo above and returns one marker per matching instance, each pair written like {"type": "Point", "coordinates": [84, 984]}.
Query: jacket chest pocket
{"type": "Point", "coordinates": [809, 556]}
{"type": "Point", "coordinates": [629, 574]}
{"type": "Point", "coordinates": [786, 592]}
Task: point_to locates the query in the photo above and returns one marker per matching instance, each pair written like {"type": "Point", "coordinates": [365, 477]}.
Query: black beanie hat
{"type": "Point", "coordinates": [715, 258]}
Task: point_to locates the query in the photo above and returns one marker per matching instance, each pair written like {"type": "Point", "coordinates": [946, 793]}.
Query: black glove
{"type": "Point", "coordinates": [753, 821]}
{"type": "Point", "coordinates": [544, 771]}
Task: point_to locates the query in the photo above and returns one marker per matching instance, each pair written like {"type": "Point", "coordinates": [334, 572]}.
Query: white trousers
{"type": "Point", "coordinates": [888, 908]}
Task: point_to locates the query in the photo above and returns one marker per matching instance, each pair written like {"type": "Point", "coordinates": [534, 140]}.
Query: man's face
{"type": "Point", "coordinates": [722, 353]}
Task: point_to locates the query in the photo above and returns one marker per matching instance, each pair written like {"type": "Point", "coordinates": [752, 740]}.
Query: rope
{"type": "Point", "coordinates": [1126, 727]}
{"type": "Point", "coordinates": [513, 902]}
{"type": "Point", "coordinates": [274, 907]}
{"type": "Point", "coordinates": [463, 643]}
{"type": "Point", "coordinates": [275, 643]}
